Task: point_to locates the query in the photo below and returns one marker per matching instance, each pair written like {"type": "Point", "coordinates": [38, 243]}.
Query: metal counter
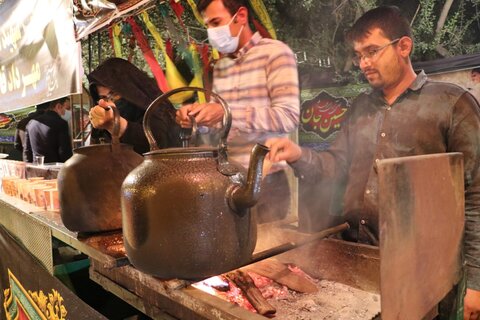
{"type": "Point", "coordinates": [418, 190]}
{"type": "Point", "coordinates": [35, 229]}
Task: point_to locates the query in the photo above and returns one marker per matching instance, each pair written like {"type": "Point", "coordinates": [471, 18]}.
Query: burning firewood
{"type": "Point", "coordinates": [246, 284]}
{"type": "Point", "coordinates": [280, 273]}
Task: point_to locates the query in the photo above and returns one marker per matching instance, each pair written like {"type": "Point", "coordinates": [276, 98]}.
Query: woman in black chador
{"type": "Point", "coordinates": [131, 90]}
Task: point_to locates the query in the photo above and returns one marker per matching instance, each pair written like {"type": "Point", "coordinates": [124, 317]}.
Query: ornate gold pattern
{"type": "Point", "coordinates": [8, 299]}
{"type": "Point", "coordinates": [51, 306]}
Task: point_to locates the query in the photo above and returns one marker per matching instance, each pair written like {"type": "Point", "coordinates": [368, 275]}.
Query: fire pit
{"type": "Point", "coordinates": [337, 267]}
{"type": "Point", "coordinates": [284, 291]}
{"type": "Point", "coordinates": [431, 189]}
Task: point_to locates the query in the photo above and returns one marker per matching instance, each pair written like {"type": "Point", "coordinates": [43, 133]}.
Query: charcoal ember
{"type": "Point", "coordinates": [269, 288]}
{"type": "Point", "coordinates": [260, 281]}
{"type": "Point", "coordinates": [245, 282]}
{"type": "Point", "coordinates": [276, 291]}
{"type": "Point", "coordinates": [300, 272]}
{"type": "Point", "coordinates": [236, 296]}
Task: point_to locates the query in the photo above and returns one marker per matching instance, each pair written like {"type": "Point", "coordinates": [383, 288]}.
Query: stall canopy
{"type": "Point", "coordinates": [457, 63]}
{"type": "Point", "coordinates": [92, 16]}
{"type": "Point", "coordinates": [39, 57]}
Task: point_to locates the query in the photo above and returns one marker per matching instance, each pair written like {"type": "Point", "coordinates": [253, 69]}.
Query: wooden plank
{"type": "Point", "coordinates": [279, 272]}
{"type": "Point", "coordinates": [353, 264]}
{"type": "Point", "coordinates": [421, 207]}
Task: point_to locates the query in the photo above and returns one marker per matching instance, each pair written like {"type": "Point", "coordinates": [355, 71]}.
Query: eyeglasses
{"type": "Point", "coordinates": [108, 97]}
{"type": "Point", "coordinates": [371, 53]}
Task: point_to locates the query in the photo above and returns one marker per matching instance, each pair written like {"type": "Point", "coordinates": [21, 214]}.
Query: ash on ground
{"type": "Point", "coordinates": [333, 301]}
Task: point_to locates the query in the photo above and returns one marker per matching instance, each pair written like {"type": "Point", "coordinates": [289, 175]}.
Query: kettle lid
{"type": "Point", "coordinates": [105, 147]}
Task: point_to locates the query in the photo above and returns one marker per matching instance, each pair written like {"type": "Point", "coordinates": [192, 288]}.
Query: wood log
{"type": "Point", "coordinates": [176, 284]}
{"type": "Point", "coordinates": [280, 273]}
{"type": "Point", "coordinates": [246, 284]}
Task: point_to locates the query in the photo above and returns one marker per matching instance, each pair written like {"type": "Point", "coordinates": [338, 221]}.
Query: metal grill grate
{"type": "Point", "coordinates": [35, 236]}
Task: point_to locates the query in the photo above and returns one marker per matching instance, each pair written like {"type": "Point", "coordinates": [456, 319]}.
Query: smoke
{"type": "Point", "coordinates": [319, 207]}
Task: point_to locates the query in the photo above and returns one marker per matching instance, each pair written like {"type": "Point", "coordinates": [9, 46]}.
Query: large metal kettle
{"type": "Point", "coordinates": [186, 210]}
{"type": "Point", "coordinates": [89, 184]}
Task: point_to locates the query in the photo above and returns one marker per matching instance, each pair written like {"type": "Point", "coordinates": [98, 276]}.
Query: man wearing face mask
{"type": "Point", "coordinates": [20, 131]}
{"type": "Point", "coordinates": [118, 82]}
{"type": "Point", "coordinates": [48, 134]}
{"type": "Point", "coordinates": [67, 116]}
{"type": "Point", "coordinates": [258, 79]}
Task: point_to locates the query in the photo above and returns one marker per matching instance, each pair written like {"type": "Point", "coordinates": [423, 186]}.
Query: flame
{"type": "Point", "coordinates": [208, 285]}
{"type": "Point", "coordinates": [231, 293]}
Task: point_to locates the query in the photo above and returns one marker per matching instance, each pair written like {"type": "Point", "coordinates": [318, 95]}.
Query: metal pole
{"type": "Point", "coordinates": [89, 54]}
{"type": "Point", "coordinates": [99, 47]}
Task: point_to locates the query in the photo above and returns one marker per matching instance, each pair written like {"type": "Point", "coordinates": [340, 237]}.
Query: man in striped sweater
{"type": "Point", "coordinates": [258, 79]}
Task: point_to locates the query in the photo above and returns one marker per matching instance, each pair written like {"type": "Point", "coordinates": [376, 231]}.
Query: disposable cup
{"type": "Point", "coordinates": [38, 160]}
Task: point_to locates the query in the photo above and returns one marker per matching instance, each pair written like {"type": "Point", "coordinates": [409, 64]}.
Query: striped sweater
{"type": "Point", "coordinates": [260, 85]}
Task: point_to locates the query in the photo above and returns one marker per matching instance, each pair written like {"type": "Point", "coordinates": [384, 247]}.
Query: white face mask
{"type": "Point", "coordinates": [67, 116]}
{"type": "Point", "coordinates": [221, 38]}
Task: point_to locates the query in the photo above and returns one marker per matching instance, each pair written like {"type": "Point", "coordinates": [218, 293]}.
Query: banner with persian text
{"type": "Point", "coordinates": [39, 57]}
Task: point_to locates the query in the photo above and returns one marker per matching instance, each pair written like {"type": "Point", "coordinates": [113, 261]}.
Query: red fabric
{"type": "Point", "coordinates": [204, 52]}
{"type": "Point", "coordinates": [110, 36]}
{"type": "Point", "coordinates": [178, 9]}
{"type": "Point", "coordinates": [169, 49]}
{"type": "Point", "coordinates": [148, 55]}
{"type": "Point", "coordinates": [131, 47]}
{"type": "Point", "coordinates": [261, 29]}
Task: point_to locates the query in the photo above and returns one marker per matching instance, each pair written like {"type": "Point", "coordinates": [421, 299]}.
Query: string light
{"type": "Point", "coordinates": [312, 60]}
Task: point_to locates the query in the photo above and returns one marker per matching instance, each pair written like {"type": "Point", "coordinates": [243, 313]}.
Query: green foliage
{"type": "Point", "coordinates": [424, 31]}
{"type": "Point", "coordinates": [459, 35]}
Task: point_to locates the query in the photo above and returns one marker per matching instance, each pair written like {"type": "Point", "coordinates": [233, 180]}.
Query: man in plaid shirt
{"type": "Point", "coordinates": [258, 79]}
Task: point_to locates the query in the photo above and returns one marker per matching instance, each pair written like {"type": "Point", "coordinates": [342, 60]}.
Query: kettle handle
{"type": "Point", "coordinates": [115, 143]}
{"type": "Point", "coordinates": [227, 115]}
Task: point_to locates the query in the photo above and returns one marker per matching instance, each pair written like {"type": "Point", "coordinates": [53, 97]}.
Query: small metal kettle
{"type": "Point", "coordinates": [89, 184]}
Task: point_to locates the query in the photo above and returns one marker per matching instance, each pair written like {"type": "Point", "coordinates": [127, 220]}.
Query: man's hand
{"type": "Point", "coordinates": [283, 149]}
{"type": "Point", "coordinates": [101, 117]}
{"type": "Point", "coordinates": [206, 114]}
{"type": "Point", "coordinates": [471, 306]}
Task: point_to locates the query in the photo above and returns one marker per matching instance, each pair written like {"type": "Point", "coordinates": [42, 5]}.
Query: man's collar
{"type": "Point", "coordinates": [419, 81]}
{"type": "Point", "coordinates": [417, 84]}
{"type": "Point", "coordinates": [254, 40]}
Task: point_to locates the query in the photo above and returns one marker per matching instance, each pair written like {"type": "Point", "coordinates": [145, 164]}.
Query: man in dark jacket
{"type": "Point", "coordinates": [20, 131]}
{"type": "Point", "coordinates": [48, 134]}
{"type": "Point", "coordinates": [406, 114]}
{"type": "Point", "coordinates": [119, 82]}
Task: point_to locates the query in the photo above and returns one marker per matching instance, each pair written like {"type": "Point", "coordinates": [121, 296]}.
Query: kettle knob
{"type": "Point", "coordinates": [186, 134]}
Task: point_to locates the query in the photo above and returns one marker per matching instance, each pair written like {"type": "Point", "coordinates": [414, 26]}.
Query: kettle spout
{"type": "Point", "coordinates": [246, 196]}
